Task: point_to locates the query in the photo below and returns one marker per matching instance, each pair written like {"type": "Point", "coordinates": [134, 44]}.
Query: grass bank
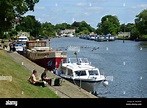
{"type": "Point", "coordinates": [18, 87]}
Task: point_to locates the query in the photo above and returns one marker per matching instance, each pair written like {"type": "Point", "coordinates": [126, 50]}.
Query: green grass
{"type": "Point", "coordinates": [19, 86]}
{"type": "Point", "coordinates": [144, 36]}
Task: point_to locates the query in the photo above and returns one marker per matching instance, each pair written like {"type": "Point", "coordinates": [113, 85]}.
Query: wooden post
{"type": "Point", "coordinates": [49, 43]}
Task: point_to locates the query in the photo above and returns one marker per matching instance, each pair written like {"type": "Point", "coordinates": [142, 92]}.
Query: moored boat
{"type": "Point", "coordinates": [80, 72]}
{"type": "Point", "coordinates": [19, 47]}
{"type": "Point", "coordinates": [38, 52]}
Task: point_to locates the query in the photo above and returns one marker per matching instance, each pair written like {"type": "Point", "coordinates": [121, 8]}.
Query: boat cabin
{"type": "Point", "coordinates": [35, 43]}
{"type": "Point", "coordinates": [81, 69]}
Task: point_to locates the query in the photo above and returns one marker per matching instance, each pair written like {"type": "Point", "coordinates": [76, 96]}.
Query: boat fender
{"type": "Point", "coordinates": [105, 83]}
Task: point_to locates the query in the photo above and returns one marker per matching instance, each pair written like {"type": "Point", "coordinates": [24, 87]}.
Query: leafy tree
{"type": "Point", "coordinates": [82, 27]}
{"type": "Point", "coordinates": [134, 33]}
{"type": "Point", "coordinates": [10, 9]}
{"type": "Point", "coordinates": [47, 29]}
{"type": "Point", "coordinates": [99, 31]}
{"type": "Point", "coordinates": [62, 26]}
{"type": "Point", "coordinates": [109, 24]}
{"type": "Point", "coordinates": [141, 22]}
{"type": "Point", "coordinates": [30, 24]}
{"type": "Point", "coordinates": [76, 25]}
{"type": "Point", "coordinates": [85, 32]}
{"type": "Point", "coordinates": [13, 33]}
{"type": "Point", "coordinates": [127, 27]}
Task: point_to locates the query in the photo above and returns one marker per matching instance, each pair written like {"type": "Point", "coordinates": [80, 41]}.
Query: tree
{"type": "Point", "coordinates": [141, 22]}
{"type": "Point", "coordinates": [30, 24]}
{"type": "Point", "coordinates": [10, 9]}
{"type": "Point", "coordinates": [83, 27]}
{"type": "Point", "coordinates": [76, 25]}
{"type": "Point", "coordinates": [109, 24]}
{"type": "Point", "coordinates": [62, 26]}
{"type": "Point", "coordinates": [13, 33]}
{"type": "Point", "coordinates": [134, 33]}
{"type": "Point", "coordinates": [127, 27]}
{"type": "Point", "coordinates": [47, 29]}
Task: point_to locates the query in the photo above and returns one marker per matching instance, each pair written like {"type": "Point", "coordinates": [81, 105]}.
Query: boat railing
{"type": "Point", "coordinates": [78, 60]}
{"type": "Point", "coordinates": [64, 53]}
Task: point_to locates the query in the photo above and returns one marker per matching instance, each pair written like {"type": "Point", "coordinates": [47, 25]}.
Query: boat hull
{"type": "Point", "coordinates": [89, 86]}
{"type": "Point", "coordinates": [49, 63]}
{"type": "Point", "coordinates": [46, 59]}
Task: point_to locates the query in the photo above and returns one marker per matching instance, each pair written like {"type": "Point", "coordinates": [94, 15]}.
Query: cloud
{"type": "Point", "coordinates": [95, 8]}
{"type": "Point", "coordinates": [86, 13]}
{"type": "Point", "coordinates": [81, 4]}
{"type": "Point", "coordinates": [39, 7]}
{"type": "Point", "coordinates": [142, 6]}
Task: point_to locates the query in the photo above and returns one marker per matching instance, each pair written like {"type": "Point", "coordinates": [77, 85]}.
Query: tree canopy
{"type": "Point", "coordinates": [108, 24]}
{"type": "Point", "coordinates": [29, 24]}
{"type": "Point", "coordinates": [141, 22]}
{"type": "Point", "coordinates": [10, 9]}
{"type": "Point", "coordinates": [82, 27]}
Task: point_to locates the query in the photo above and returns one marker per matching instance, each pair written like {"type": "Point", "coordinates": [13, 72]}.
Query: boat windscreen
{"type": "Point", "coordinates": [80, 73]}
{"type": "Point", "coordinates": [93, 72]}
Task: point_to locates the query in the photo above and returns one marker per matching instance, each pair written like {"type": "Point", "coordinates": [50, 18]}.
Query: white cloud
{"type": "Point", "coordinates": [142, 6]}
{"type": "Point", "coordinates": [73, 19]}
{"type": "Point", "coordinates": [81, 4]}
{"type": "Point", "coordinates": [95, 8]}
{"type": "Point", "coordinates": [124, 4]}
{"type": "Point", "coordinates": [86, 13]}
{"type": "Point", "coordinates": [56, 4]}
{"type": "Point", "coordinates": [39, 7]}
{"type": "Point", "coordinates": [90, 4]}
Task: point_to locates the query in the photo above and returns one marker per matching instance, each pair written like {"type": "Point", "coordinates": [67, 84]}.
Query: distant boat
{"type": "Point", "coordinates": [105, 38]}
{"type": "Point", "coordinates": [98, 38]}
{"type": "Point", "coordinates": [70, 35]}
{"type": "Point", "coordinates": [67, 35]}
{"type": "Point", "coordinates": [80, 72]}
{"type": "Point", "coordinates": [38, 52]}
{"type": "Point", "coordinates": [23, 39]}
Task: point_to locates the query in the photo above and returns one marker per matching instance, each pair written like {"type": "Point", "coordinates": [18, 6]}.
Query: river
{"type": "Point", "coordinates": [125, 63]}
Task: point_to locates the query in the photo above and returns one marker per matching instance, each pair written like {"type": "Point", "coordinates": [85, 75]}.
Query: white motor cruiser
{"type": "Point", "coordinates": [80, 72]}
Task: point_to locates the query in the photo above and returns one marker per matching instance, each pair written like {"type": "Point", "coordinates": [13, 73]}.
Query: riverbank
{"type": "Point", "coordinates": [67, 90]}
{"type": "Point", "coordinates": [18, 87]}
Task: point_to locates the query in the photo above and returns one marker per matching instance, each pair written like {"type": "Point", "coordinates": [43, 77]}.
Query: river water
{"type": "Point", "coordinates": [124, 63]}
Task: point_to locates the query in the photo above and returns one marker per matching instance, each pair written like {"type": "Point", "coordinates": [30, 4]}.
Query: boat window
{"type": "Point", "coordinates": [39, 44]}
{"type": "Point", "coordinates": [35, 44]}
{"type": "Point", "coordinates": [70, 72]}
{"type": "Point", "coordinates": [80, 73]}
{"type": "Point", "coordinates": [42, 44]}
{"type": "Point", "coordinates": [63, 70]}
{"type": "Point", "coordinates": [30, 44]}
{"type": "Point", "coordinates": [93, 72]}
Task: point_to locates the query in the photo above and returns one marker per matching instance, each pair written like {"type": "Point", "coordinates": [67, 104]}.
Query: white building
{"type": "Point", "coordinates": [125, 34]}
{"type": "Point", "coordinates": [68, 31]}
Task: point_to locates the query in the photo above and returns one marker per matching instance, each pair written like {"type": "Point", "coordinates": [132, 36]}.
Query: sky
{"type": "Point", "coordinates": [91, 11]}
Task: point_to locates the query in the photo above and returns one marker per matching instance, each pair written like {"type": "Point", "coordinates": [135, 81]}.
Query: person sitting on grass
{"type": "Point", "coordinates": [32, 79]}
{"type": "Point", "coordinates": [45, 78]}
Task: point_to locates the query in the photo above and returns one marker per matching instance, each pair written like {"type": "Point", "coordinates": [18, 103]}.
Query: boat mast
{"type": "Point", "coordinates": [76, 56]}
{"type": "Point", "coordinates": [50, 48]}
